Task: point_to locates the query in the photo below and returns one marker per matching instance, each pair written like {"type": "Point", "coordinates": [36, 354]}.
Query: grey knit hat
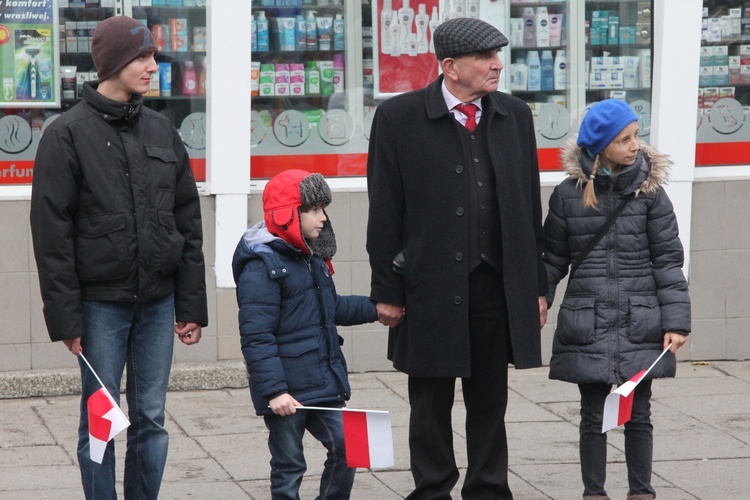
{"type": "Point", "coordinates": [465, 35]}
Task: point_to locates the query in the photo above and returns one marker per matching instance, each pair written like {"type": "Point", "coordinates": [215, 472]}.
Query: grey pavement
{"type": "Point", "coordinates": [218, 447]}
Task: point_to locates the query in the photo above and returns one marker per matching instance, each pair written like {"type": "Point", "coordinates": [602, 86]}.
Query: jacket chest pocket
{"type": "Point", "coordinates": [576, 321]}
{"type": "Point", "coordinates": [162, 163]}
{"type": "Point", "coordinates": [645, 320]}
{"type": "Point", "coordinates": [101, 247]}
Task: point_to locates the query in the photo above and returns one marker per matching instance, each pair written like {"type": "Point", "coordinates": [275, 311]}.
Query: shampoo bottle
{"type": "Point", "coordinates": [518, 75]}
{"type": "Point", "coordinates": [325, 29]}
{"type": "Point", "coordinates": [300, 34]}
{"type": "Point", "coordinates": [422, 20]}
{"type": "Point", "coordinates": [459, 8]}
{"type": "Point", "coordinates": [534, 71]}
{"type": "Point", "coordinates": [472, 9]}
{"type": "Point", "coordinates": [311, 30]}
{"type": "Point", "coordinates": [555, 29]}
{"type": "Point", "coordinates": [338, 73]}
{"type": "Point", "coordinates": [561, 75]}
{"type": "Point", "coordinates": [386, 16]}
{"type": "Point", "coordinates": [548, 70]}
{"type": "Point", "coordinates": [395, 35]}
{"type": "Point", "coordinates": [339, 34]}
{"type": "Point", "coordinates": [262, 32]}
{"type": "Point", "coordinates": [189, 80]}
{"type": "Point", "coordinates": [312, 78]}
{"type": "Point", "coordinates": [406, 17]}
{"type": "Point", "coordinates": [447, 11]}
{"type": "Point", "coordinates": [433, 24]}
{"type": "Point", "coordinates": [253, 35]}
{"type": "Point", "coordinates": [529, 27]}
{"type": "Point", "coordinates": [542, 27]}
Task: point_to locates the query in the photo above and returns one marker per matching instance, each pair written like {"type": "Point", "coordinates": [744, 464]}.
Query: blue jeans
{"type": "Point", "coordinates": [141, 335]}
{"type": "Point", "coordinates": [288, 459]}
{"type": "Point", "coordinates": [639, 441]}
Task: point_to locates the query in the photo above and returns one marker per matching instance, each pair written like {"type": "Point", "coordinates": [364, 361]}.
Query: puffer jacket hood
{"type": "Point", "coordinates": [650, 170]}
{"type": "Point", "coordinates": [284, 196]}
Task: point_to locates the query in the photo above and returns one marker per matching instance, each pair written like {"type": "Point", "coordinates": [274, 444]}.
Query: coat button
{"type": "Point", "coordinates": [459, 169]}
{"type": "Point", "coordinates": [457, 300]}
{"type": "Point", "coordinates": [459, 256]}
{"type": "Point", "coordinates": [459, 211]}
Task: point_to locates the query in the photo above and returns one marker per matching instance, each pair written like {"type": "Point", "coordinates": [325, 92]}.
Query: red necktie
{"type": "Point", "coordinates": [470, 110]}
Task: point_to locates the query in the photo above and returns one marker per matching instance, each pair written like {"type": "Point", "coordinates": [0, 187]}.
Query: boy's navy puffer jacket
{"type": "Point", "coordinates": [289, 310]}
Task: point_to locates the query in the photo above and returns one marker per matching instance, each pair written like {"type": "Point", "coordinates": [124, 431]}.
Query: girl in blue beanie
{"type": "Point", "coordinates": [627, 299]}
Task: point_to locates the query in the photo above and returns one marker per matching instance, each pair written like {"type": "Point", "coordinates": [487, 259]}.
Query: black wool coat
{"type": "Point", "coordinates": [418, 187]}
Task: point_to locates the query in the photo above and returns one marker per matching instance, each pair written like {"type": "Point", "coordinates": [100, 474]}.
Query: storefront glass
{"type": "Point", "coordinates": [563, 55]}
{"type": "Point", "coordinates": [46, 58]}
{"type": "Point", "coordinates": [724, 84]}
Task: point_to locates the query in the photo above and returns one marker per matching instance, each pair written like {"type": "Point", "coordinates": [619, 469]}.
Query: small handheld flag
{"type": "Point", "coordinates": [367, 436]}
{"type": "Point", "coordinates": [618, 406]}
{"type": "Point", "coordinates": [105, 418]}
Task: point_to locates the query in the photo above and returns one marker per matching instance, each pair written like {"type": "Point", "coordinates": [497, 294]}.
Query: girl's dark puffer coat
{"type": "Point", "coordinates": [630, 290]}
{"type": "Point", "coordinates": [289, 310]}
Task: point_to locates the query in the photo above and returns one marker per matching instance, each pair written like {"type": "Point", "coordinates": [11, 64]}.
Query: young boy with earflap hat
{"type": "Point", "coordinates": [288, 314]}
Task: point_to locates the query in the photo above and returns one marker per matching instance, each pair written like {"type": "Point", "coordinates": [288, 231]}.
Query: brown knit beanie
{"type": "Point", "coordinates": [116, 42]}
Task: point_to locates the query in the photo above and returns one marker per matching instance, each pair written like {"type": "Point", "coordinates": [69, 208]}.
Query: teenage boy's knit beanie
{"type": "Point", "coordinates": [116, 42]}
{"type": "Point", "coordinates": [602, 123]}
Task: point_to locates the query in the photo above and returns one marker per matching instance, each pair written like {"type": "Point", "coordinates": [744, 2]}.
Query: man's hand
{"type": "Point", "coordinates": [390, 314]}
{"type": "Point", "coordinates": [284, 405]}
{"type": "Point", "coordinates": [189, 333]}
{"type": "Point", "coordinates": [74, 345]}
{"type": "Point", "coordinates": [542, 312]}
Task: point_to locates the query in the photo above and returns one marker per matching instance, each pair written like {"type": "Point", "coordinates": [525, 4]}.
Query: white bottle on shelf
{"type": "Point", "coordinates": [459, 8]}
{"type": "Point", "coordinates": [534, 71]}
{"type": "Point", "coordinates": [395, 35]}
{"type": "Point", "coordinates": [406, 18]}
{"type": "Point", "coordinates": [422, 20]}
{"type": "Point", "coordinates": [542, 27]}
{"type": "Point", "coordinates": [561, 73]}
{"type": "Point", "coordinates": [434, 23]}
{"type": "Point", "coordinates": [529, 27]}
{"type": "Point", "coordinates": [386, 16]}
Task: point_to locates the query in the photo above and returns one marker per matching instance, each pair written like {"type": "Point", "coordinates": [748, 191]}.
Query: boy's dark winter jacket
{"type": "Point", "coordinates": [115, 213]}
{"type": "Point", "coordinates": [289, 310]}
{"type": "Point", "coordinates": [630, 290]}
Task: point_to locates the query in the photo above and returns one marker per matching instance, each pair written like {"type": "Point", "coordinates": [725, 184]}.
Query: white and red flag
{"type": "Point", "coordinates": [367, 436]}
{"type": "Point", "coordinates": [106, 419]}
{"type": "Point", "coordinates": [619, 404]}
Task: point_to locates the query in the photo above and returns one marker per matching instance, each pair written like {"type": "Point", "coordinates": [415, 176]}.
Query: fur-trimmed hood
{"type": "Point", "coordinates": [653, 167]}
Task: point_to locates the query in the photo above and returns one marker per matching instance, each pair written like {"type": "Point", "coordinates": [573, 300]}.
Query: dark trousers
{"type": "Point", "coordinates": [485, 392]}
{"type": "Point", "coordinates": [639, 441]}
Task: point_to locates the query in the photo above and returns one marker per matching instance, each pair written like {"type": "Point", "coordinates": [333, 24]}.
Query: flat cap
{"type": "Point", "coordinates": [466, 35]}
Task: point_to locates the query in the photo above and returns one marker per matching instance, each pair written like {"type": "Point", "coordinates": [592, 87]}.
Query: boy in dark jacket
{"type": "Point", "coordinates": [288, 314]}
{"type": "Point", "coordinates": [116, 225]}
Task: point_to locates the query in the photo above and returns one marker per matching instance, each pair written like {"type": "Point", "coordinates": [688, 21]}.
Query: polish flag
{"type": "Point", "coordinates": [106, 419]}
{"type": "Point", "coordinates": [618, 406]}
{"type": "Point", "coordinates": [368, 438]}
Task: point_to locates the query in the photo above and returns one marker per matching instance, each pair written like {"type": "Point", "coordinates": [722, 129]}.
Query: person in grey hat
{"type": "Point", "coordinates": [117, 234]}
{"type": "Point", "coordinates": [453, 184]}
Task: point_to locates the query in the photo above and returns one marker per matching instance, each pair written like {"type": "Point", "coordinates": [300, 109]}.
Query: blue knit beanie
{"type": "Point", "coordinates": [601, 124]}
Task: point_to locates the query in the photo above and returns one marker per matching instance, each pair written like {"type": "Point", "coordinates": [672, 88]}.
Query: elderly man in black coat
{"type": "Point", "coordinates": [453, 185]}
